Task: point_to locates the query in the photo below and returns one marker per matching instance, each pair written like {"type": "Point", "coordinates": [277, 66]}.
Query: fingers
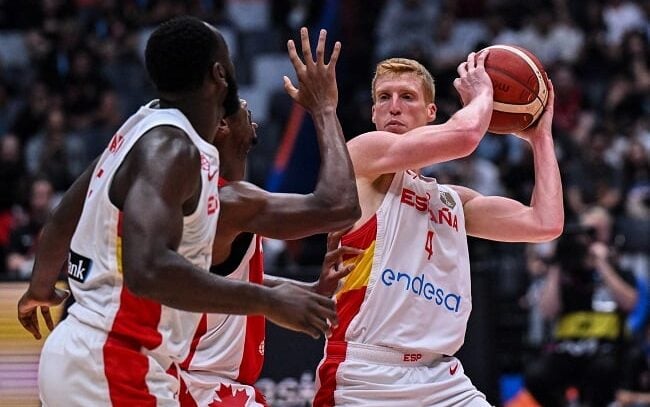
{"type": "Point", "coordinates": [335, 55]}
{"type": "Point", "coordinates": [471, 60]}
{"type": "Point", "coordinates": [29, 321]}
{"type": "Point", "coordinates": [293, 56]}
{"type": "Point", "coordinates": [306, 47]}
{"type": "Point", "coordinates": [45, 311]}
{"type": "Point", "coordinates": [551, 95]}
{"type": "Point", "coordinates": [333, 240]}
{"type": "Point", "coordinates": [320, 48]}
{"type": "Point", "coordinates": [481, 57]}
{"type": "Point", "coordinates": [343, 250]}
{"type": "Point", "coordinates": [289, 88]}
{"type": "Point", "coordinates": [462, 69]}
{"type": "Point", "coordinates": [346, 270]}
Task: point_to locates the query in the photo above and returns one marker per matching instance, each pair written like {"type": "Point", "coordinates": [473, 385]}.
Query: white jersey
{"type": "Point", "coordinates": [410, 289]}
{"type": "Point", "coordinates": [95, 263]}
{"type": "Point", "coordinates": [227, 350]}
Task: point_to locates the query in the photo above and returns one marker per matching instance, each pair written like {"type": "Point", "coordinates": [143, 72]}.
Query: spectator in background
{"type": "Point", "coordinates": [106, 120]}
{"type": "Point", "coordinates": [634, 390]}
{"type": "Point", "coordinates": [11, 171]}
{"type": "Point", "coordinates": [8, 106]}
{"type": "Point", "coordinates": [31, 117]}
{"type": "Point", "coordinates": [406, 27]}
{"type": "Point", "coordinates": [24, 237]}
{"type": "Point", "coordinates": [590, 179]}
{"type": "Point", "coordinates": [568, 104]}
{"type": "Point", "coordinates": [589, 297]}
{"type": "Point", "coordinates": [628, 94]}
{"type": "Point", "coordinates": [621, 16]}
{"type": "Point", "coordinates": [56, 152]}
{"type": "Point", "coordinates": [82, 89]}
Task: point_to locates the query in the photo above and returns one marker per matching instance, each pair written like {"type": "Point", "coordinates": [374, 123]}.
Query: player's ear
{"type": "Point", "coordinates": [373, 114]}
{"type": "Point", "coordinates": [222, 129]}
{"type": "Point", "coordinates": [218, 73]}
{"type": "Point", "coordinates": [432, 109]}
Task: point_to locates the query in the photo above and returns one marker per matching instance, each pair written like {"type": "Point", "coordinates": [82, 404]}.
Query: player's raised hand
{"type": "Point", "coordinates": [28, 306]}
{"type": "Point", "coordinates": [301, 310]}
{"type": "Point", "coordinates": [316, 79]}
{"type": "Point", "coordinates": [472, 79]}
{"type": "Point", "coordinates": [332, 272]}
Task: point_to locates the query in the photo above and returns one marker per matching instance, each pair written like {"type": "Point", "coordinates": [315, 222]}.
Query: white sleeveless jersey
{"type": "Point", "coordinates": [95, 263]}
{"type": "Point", "coordinates": [410, 290]}
{"type": "Point", "coordinates": [227, 351]}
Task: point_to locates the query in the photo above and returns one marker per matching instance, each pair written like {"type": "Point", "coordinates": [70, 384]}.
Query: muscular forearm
{"type": "Point", "coordinates": [54, 242]}
{"type": "Point", "coordinates": [547, 201]}
{"type": "Point", "coordinates": [475, 115]}
{"type": "Point", "coordinates": [336, 186]}
{"type": "Point", "coordinates": [274, 281]}
{"type": "Point", "coordinates": [171, 280]}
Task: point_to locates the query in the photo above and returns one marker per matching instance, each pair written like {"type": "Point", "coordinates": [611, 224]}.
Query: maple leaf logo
{"type": "Point", "coordinates": [228, 399]}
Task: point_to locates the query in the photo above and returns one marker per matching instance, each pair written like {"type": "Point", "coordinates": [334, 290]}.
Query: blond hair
{"type": "Point", "coordinates": [400, 66]}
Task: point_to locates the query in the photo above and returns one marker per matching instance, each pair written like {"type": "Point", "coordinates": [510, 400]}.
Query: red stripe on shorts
{"type": "Point", "coordinates": [125, 366]}
{"type": "Point", "coordinates": [253, 358]}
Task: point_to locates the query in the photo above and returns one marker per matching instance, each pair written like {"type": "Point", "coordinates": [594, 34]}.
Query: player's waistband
{"type": "Point", "coordinates": [379, 354]}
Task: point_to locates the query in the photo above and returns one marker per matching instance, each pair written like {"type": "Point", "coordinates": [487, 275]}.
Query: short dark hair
{"type": "Point", "coordinates": [180, 52]}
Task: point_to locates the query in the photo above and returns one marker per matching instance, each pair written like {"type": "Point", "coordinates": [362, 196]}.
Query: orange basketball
{"type": "Point", "coordinates": [520, 88]}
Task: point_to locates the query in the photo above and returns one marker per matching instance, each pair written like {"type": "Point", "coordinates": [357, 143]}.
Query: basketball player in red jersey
{"type": "Point", "coordinates": [138, 228]}
{"type": "Point", "coordinates": [403, 310]}
{"type": "Point", "coordinates": [227, 351]}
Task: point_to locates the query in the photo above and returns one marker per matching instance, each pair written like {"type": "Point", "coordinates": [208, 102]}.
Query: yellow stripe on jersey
{"type": "Point", "coordinates": [361, 274]}
{"type": "Point", "coordinates": [118, 251]}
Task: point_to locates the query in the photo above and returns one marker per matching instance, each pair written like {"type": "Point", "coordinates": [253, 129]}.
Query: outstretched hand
{"type": "Point", "coordinates": [317, 88]}
{"type": "Point", "coordinates": [28, 306]}
{"type": "Point", "coordinates": [331, 272]}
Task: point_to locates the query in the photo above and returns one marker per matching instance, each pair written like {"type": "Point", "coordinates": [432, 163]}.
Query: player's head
{"type": "Point", "coordinates": [236, 135]}
{"type": "Point", "coordinates": [403, 95]}
{"type": "Point", "coordinates": [184, 54]}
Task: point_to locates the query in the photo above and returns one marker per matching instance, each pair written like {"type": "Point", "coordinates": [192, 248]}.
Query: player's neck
{"type": "Point", "coordinates": [232, 171]}
{"type": "Point", "coordinates": [202, 116]}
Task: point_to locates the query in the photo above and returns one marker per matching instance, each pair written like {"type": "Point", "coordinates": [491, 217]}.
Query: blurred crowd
{"type": "Point", "coordinates": [71, 71]}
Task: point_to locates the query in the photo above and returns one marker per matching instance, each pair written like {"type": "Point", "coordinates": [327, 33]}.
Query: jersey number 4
{"type": "Point", "coordinates": [428, 244]}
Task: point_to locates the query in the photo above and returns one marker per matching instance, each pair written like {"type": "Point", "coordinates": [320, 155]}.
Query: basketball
{"type": "Point", "coordinates": [520, 88]}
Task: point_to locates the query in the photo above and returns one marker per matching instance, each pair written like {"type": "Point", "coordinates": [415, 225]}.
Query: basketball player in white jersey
{"type": "Point", "coordinates": [227, 351]}
{"type": "Point", "coordinates": [403, 310]}
{"type": "Point", "coordinates": [145, 216]}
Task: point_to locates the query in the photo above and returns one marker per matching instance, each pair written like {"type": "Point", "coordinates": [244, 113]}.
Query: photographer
{"type": "Point", "coordinates": [588, 297]}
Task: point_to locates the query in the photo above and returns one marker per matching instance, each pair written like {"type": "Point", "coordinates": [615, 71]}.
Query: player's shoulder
{"type": "Point", "coordinates": [167, 143]}
{"type": "Point", "coordinates": [466, 194]}
{"type": "Point", "coordinates": [371, 137]}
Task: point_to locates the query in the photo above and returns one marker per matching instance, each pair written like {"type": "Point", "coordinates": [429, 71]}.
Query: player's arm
{"type": "Point", "coordinates": [380, 152]}
{"type": "Point", "coordinates": [153, 210]}
{"type": "Point", "coordinates": [506, 220]}
{"type": "Point", "coordinates": [153, 200]}
{"type": "Point", "coordinates": [51, 255]}
{"type": "Point", "coordinates": [247, 208]}
{"type": "Point", "coordinates": [334, 204]}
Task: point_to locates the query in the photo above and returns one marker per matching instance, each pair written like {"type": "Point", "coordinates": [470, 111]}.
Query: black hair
{"type": "Point", "coordinates": [181, 52]}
